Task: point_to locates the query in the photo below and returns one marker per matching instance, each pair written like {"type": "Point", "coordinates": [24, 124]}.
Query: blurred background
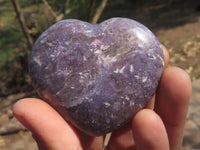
{"type": "Point", "coordinates": [176, 23]}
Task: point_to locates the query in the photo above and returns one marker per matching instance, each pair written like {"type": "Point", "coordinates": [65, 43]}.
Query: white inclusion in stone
{"type": "Point", "coordinates": [151, 56]}
{"type": "Point", "coordinates": [116, 71]}
{"type": "Point", "coordinates": [127, 98]}
{"type": "Point", "coordinates": [49, 44]}
{"type": "Point", "coordinates": [98, 52]}
{"type": "Point", "coordinates": [131, 68]}
{"type": "Point", "coordinates": [66, 43]}
{"type": "Point", "coordinates": [119, 70]}
{"type": "Point", "coordinates": [88, 31]}
{"type": "Point", "coordinates": [130, 37]}
{"type": "Point", "coordinates": [91, 49]}
{"type": "Point", "coordinates": [81, 80]}
{"type": "Point", "coordinates": [72, 87]}
{"type": "Point", "coordinates": [108, 59]}
{"type": "Point", "coordinates": [136, 76]}
{"type": "Point", "coordinates": [37, 60]}
{"type": "Point", "coordinates": [112, 116]}
{"type": "Point", "coordinates": [132, 103]}
{"type": "Point", "coordinates": [52, 55]}
{"type": "Point", "coordinates": [61, 47]}
{"type": "Point", "coordinates": [96, 42]}
{"type": "Point", "coordinates": [104, 60]}
{"type": "Point", "coordinates": [104, 47]}
{"type": "Point", "coordinates": [140, 106]}
{"type": "Point", "coordinates": [90, 99]}
{"type": "Point", "coordinates": [163, 62]}
{"type": "Point", "coordinates": [42, 41]}
{"type": "Point", "coordinates": [73, 29]}
{"type": "Point", "coordinates": [144, 79]}
{"type": "Point", "coordinates": [107, 104]}
{"type": "Point", "coordinates": [84, 58]}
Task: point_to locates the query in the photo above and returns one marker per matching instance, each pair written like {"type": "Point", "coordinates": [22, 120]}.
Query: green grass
{"type": "Point", "coordinates": [10, 34]}
{"type": "Point", "coordinates": [6, 17]}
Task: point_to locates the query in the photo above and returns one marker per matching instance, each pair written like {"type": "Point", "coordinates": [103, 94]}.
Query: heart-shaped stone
{"type": "Point", "coordinates": [97, 76]}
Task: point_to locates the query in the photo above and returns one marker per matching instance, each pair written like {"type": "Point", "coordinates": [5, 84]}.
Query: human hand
{"type": "Point", "coordinates": [159, 126]}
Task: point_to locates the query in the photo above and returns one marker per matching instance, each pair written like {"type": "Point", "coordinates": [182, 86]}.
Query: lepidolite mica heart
{"type": "Point", "coordinates": [97, 76]}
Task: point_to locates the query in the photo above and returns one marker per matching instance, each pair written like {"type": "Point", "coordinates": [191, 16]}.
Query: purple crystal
{"type": "Point", "coordinates": [97, 76]}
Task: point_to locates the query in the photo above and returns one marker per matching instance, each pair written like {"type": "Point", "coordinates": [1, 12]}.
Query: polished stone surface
{"type": "Point", "coordinates": [97, 76]}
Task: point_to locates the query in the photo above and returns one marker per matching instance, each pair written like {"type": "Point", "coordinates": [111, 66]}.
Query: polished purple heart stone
{"type": "Point", "coordinates": [97, 76]}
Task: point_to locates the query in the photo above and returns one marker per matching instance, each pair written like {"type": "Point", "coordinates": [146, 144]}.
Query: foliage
{"type": "Point", "coordinates": [13, 48]}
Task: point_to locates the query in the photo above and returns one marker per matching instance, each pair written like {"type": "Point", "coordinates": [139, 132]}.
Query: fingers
{"type": "Point", "coordinates": [166, 56]}
{"type": "Point", "coordinates": [122, 139]}
{"type": "Point", "coordinates": [91, 142]}
{"type": "Point", "coordinates": [149, 131]}
{"type": "Point", "coordinates": [172, 102]}
{"type": "Point", "coordinates": [47, 125]}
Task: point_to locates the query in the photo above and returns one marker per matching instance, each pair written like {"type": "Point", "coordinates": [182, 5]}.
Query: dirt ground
{"type": "Point", "coordinates": [183, 45]}
{"type": "Point", "coordinates": [177, 26]}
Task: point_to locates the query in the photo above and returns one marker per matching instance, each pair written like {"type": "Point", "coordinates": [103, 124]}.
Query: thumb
{"type": "Point", "coordinates": [47, 126]}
